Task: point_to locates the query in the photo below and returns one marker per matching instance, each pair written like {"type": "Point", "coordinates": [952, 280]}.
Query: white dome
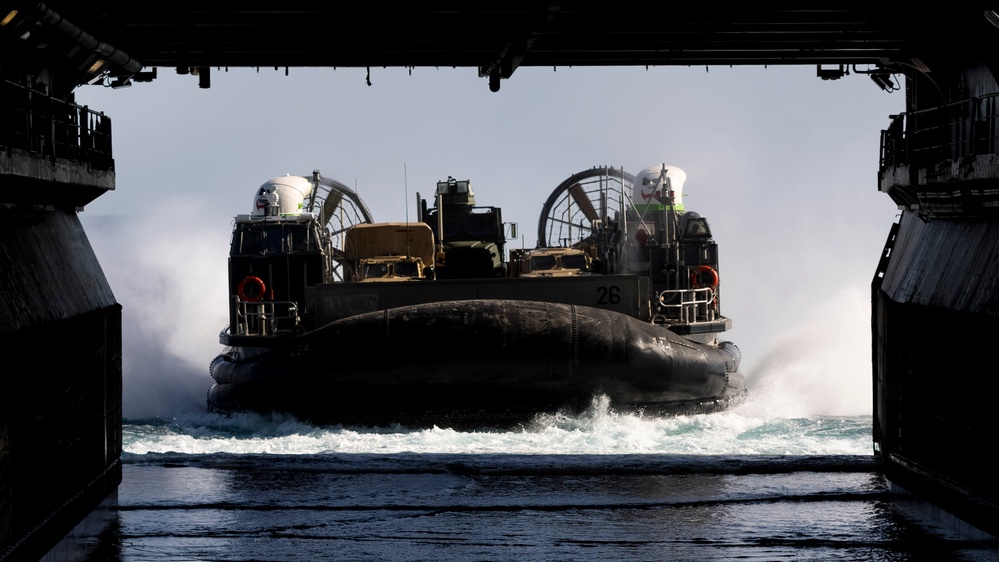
{"type": "Point", "coordinates": [650, 181]}
{"type": "Point", "coordinates": [288, 193]}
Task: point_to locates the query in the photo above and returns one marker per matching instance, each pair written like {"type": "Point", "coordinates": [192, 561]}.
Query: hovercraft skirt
{"type": "Point", "coordinates": [477, 358]}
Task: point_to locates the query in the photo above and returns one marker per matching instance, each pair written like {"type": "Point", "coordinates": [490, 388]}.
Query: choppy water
{"type": "Point", "coordinates": [789, 475]}
{"type": "Point", "coordinates": [600, 431]}
{"type": "Point", "coordinates": [747, 484]}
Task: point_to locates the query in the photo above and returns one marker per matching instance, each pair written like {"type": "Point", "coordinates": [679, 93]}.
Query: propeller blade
{"type": "Point", "coordinates": [584, 203]}
{"type": "Point", "coordinates": [331, 203]}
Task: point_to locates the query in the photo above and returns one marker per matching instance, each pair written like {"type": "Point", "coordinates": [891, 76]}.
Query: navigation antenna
{"type": "Point", "coordinates": [405, 183]}
{"type": "Point", "coordinates": [314, 192]}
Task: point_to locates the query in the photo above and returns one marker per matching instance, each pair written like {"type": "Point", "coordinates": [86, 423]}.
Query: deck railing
{"type": "Point", "coordinates": [49, 127]}
{"type": "Point", "coordinates": [686, 306]}
{"type": "Point", "coordinates": [267, 318]}
{"type": "Point", "coordinates": [949, 132]}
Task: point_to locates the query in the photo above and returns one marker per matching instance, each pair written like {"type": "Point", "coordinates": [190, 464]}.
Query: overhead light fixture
{"type": "Point", "coordinates": [881, 76]}
{"type": "Point", "coordinates": [830, 73]}
{"type": "Point", "coordinates": [992, 17]}
{"type": "Point", "coordinates": [7, 19]}
{"type": "Point", "coordinates": [884, 81]}
{"type": "Point", "coordinates": [96, 67]}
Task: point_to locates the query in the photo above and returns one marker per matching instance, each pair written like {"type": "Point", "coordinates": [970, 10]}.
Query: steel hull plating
{"type": "Point", "coordinates": [477, 360]}
{"type": "Point", "coordinates": [929, 408]}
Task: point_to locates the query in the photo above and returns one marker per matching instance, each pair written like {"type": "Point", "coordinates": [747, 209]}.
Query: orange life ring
{"type": "Point", "coordinates": [251, 289]}
{"type": "Point", "coordinates": [697, 277]}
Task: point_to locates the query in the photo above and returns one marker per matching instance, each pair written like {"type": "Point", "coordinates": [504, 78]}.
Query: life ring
{"type": "Point", "coordinates": [251, 289]}
{"type": "Point", "coordinates": [697, 277]}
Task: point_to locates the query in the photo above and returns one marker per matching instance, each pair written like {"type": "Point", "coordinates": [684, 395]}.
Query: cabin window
{"type": "Point", "coordinates": [574, 261]}
{"type": "Point", "coordinates": [273, 239]}
{"type": "Point", "coordinates": [261, 241]}
{"type": "Point", "coordinates": [542, 262]}
{"type": "Point", "coordinates": [375, 270]}
{"type": "Point", "coordinates": [696, 227]}
{"type": "Point", "coordinates": [406, 269]}
{"type": "Point", "coordinates": [481, 226]}
{"type": "Point", "coordinates": [301, 238]}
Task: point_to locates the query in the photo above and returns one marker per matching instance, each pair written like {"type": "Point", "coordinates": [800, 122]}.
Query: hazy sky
{"type": "Point", "coordinates": [782, 164]}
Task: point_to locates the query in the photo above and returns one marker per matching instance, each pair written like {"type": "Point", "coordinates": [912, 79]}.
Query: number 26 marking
{"type": "Point", "coordinates": [609, 295]}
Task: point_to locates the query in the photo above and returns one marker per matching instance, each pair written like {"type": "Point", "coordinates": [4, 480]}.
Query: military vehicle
{"type": "Point", "coordinates": [477, 343]}
{"type": "Point", "coordinates": [550, 262]}
{"type": "Point", "coordinates": [470, 239]}
{"type": "Point", "coordinates": [388, 252]}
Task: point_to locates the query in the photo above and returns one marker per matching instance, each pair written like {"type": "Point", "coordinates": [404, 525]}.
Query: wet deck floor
{"type": "Point", "coordinates": [502, 507]}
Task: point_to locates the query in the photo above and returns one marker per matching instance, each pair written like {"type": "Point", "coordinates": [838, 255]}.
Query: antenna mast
{"type": "Point", "coordinates": [405, 183]}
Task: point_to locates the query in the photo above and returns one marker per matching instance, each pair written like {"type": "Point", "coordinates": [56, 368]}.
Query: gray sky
{"type": "Point", "coordinates": [782, 164]}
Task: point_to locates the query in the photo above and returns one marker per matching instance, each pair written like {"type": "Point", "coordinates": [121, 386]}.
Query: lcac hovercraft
{"type": "Point", "coordinates": [639, 326]}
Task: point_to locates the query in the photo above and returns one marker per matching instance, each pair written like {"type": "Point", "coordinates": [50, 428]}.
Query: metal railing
{"type": "Point", "coordinates": [949, 132]}
{"type": "Point", "coordinates": [36, 122]}
{"type": "Point", "coordinates": [266, 318]}
{"type": "Point", "coordinates": [688, 306]}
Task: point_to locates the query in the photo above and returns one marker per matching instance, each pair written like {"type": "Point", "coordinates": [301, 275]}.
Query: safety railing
{"type": "Point", "coordinates": [266, 318]}
{"type": "Point", "coordinates": [38, 123]}
{"type": "Point", "coordinates": [949, 132]}
{"type": "Point", "coordinates": [687, 306]}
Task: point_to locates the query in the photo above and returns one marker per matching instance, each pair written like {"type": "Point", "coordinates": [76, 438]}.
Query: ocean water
{"type": "Point", "coordinates": [759, 482]}
{"type": "Point", "coordinates": [598, 431]}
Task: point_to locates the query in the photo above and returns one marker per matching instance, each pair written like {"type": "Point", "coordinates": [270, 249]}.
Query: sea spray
{"type": "Point", "coordinates": [599, 431]}
{"type": "Point", "coordinates": [820, 365]}
{"type": "Point", "coordinates": [172, 288]}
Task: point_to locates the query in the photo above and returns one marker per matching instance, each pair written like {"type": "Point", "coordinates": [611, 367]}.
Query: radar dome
{"type": "Point", "coordinates": [281, 196]}
{"type": "Point", "coordinates": [649, 188]}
